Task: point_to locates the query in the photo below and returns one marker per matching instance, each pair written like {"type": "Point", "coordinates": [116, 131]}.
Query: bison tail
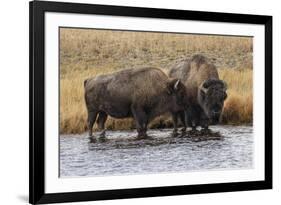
{"type": "Point", "coordinates": [85, 82]}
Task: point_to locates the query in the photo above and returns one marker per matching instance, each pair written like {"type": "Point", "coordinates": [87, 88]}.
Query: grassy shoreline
{"type": "Point", "coordinates": [87, 53]}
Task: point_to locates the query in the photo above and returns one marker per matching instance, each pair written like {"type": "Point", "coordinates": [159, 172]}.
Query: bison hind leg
{"type": "Point", "coordinates": [92, 115]}
{"type": "Point", "coordinates": [101, 122]}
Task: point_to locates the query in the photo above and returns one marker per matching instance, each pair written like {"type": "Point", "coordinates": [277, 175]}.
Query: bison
{"type": "Point", "coordinates": [206, 92]}
{"type": "Point", "coordinates": [142, 94]}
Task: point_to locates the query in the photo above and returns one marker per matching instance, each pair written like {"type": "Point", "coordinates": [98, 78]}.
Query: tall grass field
{"type": "Point", "coordinates": [86, 53]}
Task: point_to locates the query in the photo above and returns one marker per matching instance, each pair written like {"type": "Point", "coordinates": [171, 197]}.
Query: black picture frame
{"type": "Point", "coordinates": [37, 10]}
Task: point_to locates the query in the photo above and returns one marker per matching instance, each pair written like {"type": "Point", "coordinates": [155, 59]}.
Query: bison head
{"type": "Point", "coordinates": [211, 96]}
{"type": "Point", "coordinates": [178, 90]}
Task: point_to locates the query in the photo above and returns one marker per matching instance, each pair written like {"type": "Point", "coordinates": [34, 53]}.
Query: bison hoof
{"type": "Point", "coordinates": [92, 139]}
{"type": "Point", "coordinates": [175, 133]}
{"type": "Point", "coordinates": [183, 129]}
{"type": "Point", "coordinates": [142, 136]}
{"type": "Point", "coordinates": [193, 131]}
{"type": "Point", "coordinates": [102, 139]}
{"type": "Point", "coordinates": [102, 134]}
{"type": "Point", "coordinates": [206, 131]}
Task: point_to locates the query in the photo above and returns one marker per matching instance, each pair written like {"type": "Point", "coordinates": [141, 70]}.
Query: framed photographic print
{"type": "Point", "coordinates": [141, 102]}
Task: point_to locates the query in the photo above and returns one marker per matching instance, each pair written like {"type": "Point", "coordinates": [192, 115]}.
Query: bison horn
{"type": "Point", "coordinates": [204, 89]}
{"type": "Point", "coordinates": [176, 84]}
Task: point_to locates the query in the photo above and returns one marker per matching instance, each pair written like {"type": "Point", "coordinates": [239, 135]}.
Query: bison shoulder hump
{"type": "Point", "coordinates": [199, 59]}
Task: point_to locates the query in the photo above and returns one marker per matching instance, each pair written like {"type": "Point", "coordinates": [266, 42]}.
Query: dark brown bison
{"type": "Point", "coordinates": [139, 93]}
{"type": "Point", "coordinates": [206, 92]}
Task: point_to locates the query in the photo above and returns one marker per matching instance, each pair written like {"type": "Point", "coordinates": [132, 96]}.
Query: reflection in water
{"type": "Point", "coordinates": [227, 147]}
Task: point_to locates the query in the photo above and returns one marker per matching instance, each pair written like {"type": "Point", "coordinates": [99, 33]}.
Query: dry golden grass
{"type": "Point", "coordinates": [85, 53]}
{"type": "Point", "coordinates": [238, 107]}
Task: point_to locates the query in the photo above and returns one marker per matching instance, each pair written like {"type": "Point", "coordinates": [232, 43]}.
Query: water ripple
{"type": "Point", "coordinates": [228, 147]}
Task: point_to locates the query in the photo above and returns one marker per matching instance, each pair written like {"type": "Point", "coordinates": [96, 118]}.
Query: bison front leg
{"type": "Point", "coordinates": [190, 119]}
{"type": "Point", "coordinates": [183, 121]}
{"type": "Point", "coordinates": [141, 121]}
{"type": "Point", "coordinates": [205, 124]}
{"type": "Point", "coordinates": [175, 123]}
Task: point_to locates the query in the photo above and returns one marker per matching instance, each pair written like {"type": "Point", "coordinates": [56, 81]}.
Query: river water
{"type": "Point", "coordinates": [229, 147]}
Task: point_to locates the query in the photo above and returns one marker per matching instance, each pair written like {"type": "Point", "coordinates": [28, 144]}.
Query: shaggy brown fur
{"type": "Point", "coordinates": [142, 93]}
{"type": "Point", "coordinates": [206, 92]}
{"type": "Point", "coordinates": [193, 72]}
